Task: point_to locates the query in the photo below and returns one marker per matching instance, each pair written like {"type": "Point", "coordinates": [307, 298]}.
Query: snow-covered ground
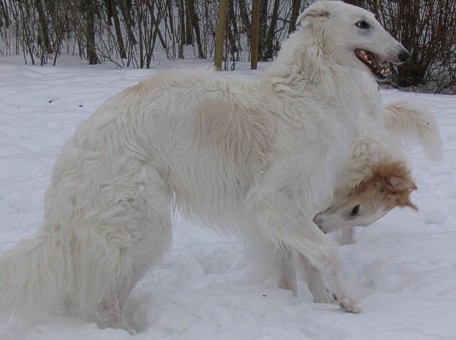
{"type": "Point", "coordinates": [402, 269]}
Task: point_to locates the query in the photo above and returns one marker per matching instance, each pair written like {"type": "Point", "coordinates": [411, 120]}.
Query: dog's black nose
{"type": "Point", "coordinates": [404, 56]}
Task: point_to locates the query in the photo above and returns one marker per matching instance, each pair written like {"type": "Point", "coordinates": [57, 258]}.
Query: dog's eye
{"type": "Point", "coordinates": [355, 211]}
{"type": "Point", "coordinates": [362, 24]}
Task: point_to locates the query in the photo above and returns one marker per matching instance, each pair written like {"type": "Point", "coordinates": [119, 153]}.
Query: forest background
{"type": "Point", "coordinates": [134, 33]}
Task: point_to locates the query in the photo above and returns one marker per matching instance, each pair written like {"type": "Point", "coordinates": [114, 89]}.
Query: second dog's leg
{"type": "Point", "coordinates": [285, 225]}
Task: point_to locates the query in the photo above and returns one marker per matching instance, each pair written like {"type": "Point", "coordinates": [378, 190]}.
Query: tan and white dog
{"type": "Point", "coordinates": [377, 178]}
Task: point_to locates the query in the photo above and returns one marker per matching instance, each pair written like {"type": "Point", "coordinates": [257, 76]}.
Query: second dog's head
{"type": "Point", "coordinates": [389, 185]}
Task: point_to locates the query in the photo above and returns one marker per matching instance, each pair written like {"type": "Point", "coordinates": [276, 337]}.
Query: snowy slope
{"type": "Point", "coordinates": [402, 269]}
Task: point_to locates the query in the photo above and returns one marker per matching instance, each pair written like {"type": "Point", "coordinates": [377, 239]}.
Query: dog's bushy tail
{"type": "Point", "coordinates": [416, 125]}
{"type": "Point", "coordinates": [29, 280]}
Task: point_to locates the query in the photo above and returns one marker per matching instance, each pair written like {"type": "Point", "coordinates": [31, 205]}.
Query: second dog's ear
{"type": "Point", "coordinates": [400, 184]}
{"type": "Point", "coordinates": [313, 13]}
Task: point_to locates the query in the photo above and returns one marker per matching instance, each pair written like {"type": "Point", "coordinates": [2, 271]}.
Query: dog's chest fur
{"type": "Point", "coordinates": [314, 132]}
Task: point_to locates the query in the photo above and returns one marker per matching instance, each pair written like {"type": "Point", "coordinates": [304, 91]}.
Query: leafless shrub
{"type": "Point", "coordinates": [132, 32]}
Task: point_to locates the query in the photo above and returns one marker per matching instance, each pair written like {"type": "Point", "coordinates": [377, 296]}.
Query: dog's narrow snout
{"type": "Point", "coordinates": [404, 56]}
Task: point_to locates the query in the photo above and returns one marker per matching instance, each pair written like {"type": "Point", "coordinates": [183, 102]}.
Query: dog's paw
{"type": "Point", "coordinates": [348, 304]}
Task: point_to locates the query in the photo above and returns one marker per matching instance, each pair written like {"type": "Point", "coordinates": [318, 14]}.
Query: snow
{"type": "Point", "coordinates": [402, 269]}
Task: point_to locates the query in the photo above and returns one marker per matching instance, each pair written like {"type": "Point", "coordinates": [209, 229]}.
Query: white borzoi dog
{"type": "Point", "coordinates": [253, 157]}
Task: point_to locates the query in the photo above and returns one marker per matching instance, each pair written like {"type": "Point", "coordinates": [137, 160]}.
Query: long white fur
{"type": "Point", "coordinates": [415, 124]}
{"type": "Point", "coordinates": [252, 157]}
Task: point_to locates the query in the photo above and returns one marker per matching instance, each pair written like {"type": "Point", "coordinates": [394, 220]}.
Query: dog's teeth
{"type": "Point", "coordinates": [385, 72]}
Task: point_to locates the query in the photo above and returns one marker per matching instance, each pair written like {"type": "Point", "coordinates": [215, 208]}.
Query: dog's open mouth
{"type": "Point", "coordinates": [379, 67]}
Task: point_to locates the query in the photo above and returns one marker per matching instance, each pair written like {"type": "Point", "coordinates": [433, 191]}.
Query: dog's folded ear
{"type": "Point", "coordinates": [402, 187]}
{"type": "Point", "coordinates": [400, 184]}
{"type": "Point", "coordinates": [313, 13]}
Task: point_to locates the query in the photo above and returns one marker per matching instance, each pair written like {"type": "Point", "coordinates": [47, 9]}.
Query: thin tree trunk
{"type": "Point", "coordinates": [245, 19]}
{"type": "Point", "coordinates": [43, 26]}
{"type": "Point", "coordinates": [263, 41]}
{"type": "Point", "coordinates": [26, 40]}
{"type": "Point", "coordinates": [269, 45]}
{"type": "Point", "coordinates": [91, 51]}
{"type": "Point", "coordinates": [171, 26]}
{"type": "Point", "coordinates": [233, 31]}
{"type": "Point", "coordinates": [296, 4]}
{"type": "Point", "coordinates": [195, 24]}
{"type": "Point", "coordinates": [4, 14]}
{"type": "Point", "coordinates": [220, 37]}
{"type": "Point", "coordinates": [109, 4]}
{"type": "Point", "coordinates": [188, 28]}
{"type": "Point", "coordinates": [115, 16]}
{"type": "Point", "coordinates": [181, 12]}
{"type": "Point", "coordinates": [256, 6]}
{"type": "Point", "coordinates": [128, 22]}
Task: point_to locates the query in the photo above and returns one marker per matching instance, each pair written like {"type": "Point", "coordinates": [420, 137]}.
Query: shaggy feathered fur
{"type": "Point", "coordinates": [252, 157]}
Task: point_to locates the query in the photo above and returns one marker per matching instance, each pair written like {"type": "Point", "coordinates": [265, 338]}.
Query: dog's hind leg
{"type": "Point", "coordinates": [134, 247]}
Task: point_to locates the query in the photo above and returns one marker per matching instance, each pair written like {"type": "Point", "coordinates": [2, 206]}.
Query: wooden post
{"type": "Point", "coordinates": [255, 34]}
{"type": "Point", "coordinates": [220, 37]}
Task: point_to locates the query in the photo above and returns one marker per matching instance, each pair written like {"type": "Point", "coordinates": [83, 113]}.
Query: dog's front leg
{"type": "Point", "coordinates": [290, 264]}
{"type": "Point", "coordinates": [288, 273]}
{"type": "Point", "coordinates": [281, 221]}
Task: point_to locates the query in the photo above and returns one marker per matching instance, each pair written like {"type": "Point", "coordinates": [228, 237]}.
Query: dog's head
{"type": "Point", "coordinates": [389, 185]}
{"type": "Point", "coordinates": [353, 37]}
